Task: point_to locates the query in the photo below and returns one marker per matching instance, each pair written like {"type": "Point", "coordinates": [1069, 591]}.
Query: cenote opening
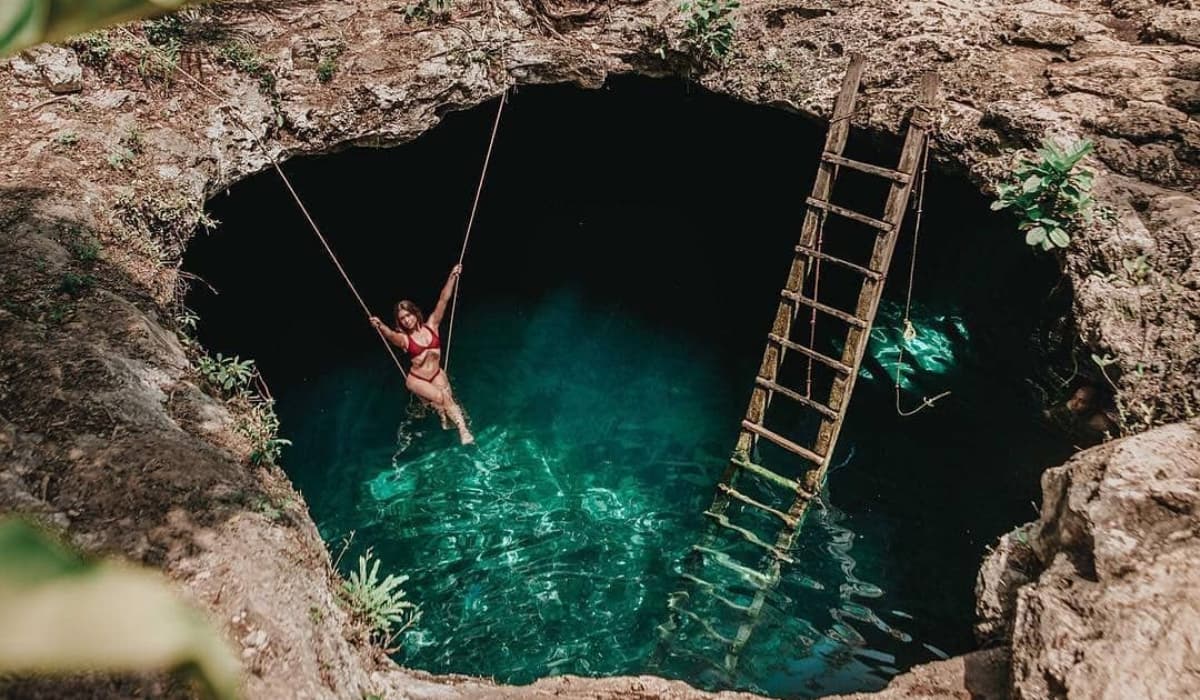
{"type": "Point", "coordinates": [622, 276]}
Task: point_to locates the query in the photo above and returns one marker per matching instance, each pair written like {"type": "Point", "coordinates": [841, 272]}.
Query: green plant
{"type": "Point", "coordinates": [85, 248]}
{"type": "Point", "coordinates": [74, 284]}
{"type": "Point", "coordinates": [1049, 195]}
{"type": "Point", "coordinates": [327, 68]}
{"type": "Point", "coordinates": [132, 140]}
{"type": "Point", "coordinates": [226, 373]}
{"type": "Point", "coordinates": [1138, 268]}
{"type": "Point", "coordinates": [119, 157]}
{"type": "Point", "coordinates": [378, 604]}
{"type": "Point", "coordinates": [132, 620]}
{"type": "Point", "coordinates": [245, 58]}
{"type": "Point", "coordinates": [159, 61]}
{"type": "Point", "coordinates": [66, 139]}
{"type": "Point", "coordinates": [709, 26]}
{"type": "Point", "coordinates": [57, 312]}
{"type": "Point", "coordinates": [428, 10]}
{"type": "Point", "coordinates": [261, 426]}
{"type": "Point", "coordinates": [161, 221]}
{"type": "Point", "coordinates": [93, 49]}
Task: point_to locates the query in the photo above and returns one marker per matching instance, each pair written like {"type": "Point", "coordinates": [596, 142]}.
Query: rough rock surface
{"type": "Point", "coordinates": [1111, 605]}
{"type": "Point", "coordinates": [105, 432]}
{"type": "Point", "coordinates": [980, 675]}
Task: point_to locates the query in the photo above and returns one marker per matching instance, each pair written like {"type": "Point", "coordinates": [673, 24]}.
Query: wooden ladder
{"type": "Point", "coordinates": [816, 452]}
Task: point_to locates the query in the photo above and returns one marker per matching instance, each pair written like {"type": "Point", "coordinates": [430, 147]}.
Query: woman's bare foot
{"type": "Point", "coordinates": [445, 420]}
{"type": "Point", "coordinates": [466, 438]}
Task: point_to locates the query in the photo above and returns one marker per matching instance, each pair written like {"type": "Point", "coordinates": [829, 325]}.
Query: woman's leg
{"type": "Point", "coordinates": [452, 409]}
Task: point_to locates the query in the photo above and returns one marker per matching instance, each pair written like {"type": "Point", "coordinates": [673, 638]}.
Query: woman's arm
{"type": "Point", "coordinates": [395, 338]}
{"type": "Point", "coordinates": [435, 318]}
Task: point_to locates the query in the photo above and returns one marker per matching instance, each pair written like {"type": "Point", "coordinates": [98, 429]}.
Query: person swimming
{"type": "Point", "coordinates": [419, 337]}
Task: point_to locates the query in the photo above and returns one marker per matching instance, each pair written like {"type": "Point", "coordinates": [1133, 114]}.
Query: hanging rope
{"type": "Point", "coordinates": [471, 222]}
{"type": "Point", "coordinates": [812, 317]}
{"type": "Point", "coordinates": [910, 332]}
{"type": "Point", "coordinates": [173, 65]}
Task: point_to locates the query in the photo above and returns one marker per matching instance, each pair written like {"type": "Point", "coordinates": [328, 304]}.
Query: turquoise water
{"type": "Point", "coordinates": [615, 302]}
{"type": "Point", "coordinates": [552, 546]}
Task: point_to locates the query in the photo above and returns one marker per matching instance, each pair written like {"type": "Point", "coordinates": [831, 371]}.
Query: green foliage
{"type": "Point", "coordinates": [428, 10]}
{"type": "Point", "coordinates": [127, 150]}
{"type": "Point", "coordinates": [378, 604]}
{"type": "Point", "coordinates": [165, 30]}
{"type": "Point", "coordinates": [85, 248]}
{"type": "Point", "coordinates": [120, 157]}
{"type": "Point", "coordinates": [327, 68]}
{"type": "Point", "coordinates": [62, 614]}
{"type": "Point", "coordinates": [160, 222]}
{"type": "Point", "coordinates": [1137, 268]}
{"type": "Point", "coordinates": [709, 27]}
{"type": "Point", "coordinates": [229, 374]}
{"type": "Point", "coordinates": [261, 426]}
{"type": "Point", "coordinates": [94, 49]}
{"type": "Point", "coordinates": [66, 139]}
{"type": "Point", "coordinates": [132, 140]}
{"type": "Point", "coordinates": [1049, 195]}
{"type": "Point", "coordinates": [74, 284]}
{"type": "Point", "coordinates": [158, 62]}
{"type": "Point", "coordinates": [245, 58]}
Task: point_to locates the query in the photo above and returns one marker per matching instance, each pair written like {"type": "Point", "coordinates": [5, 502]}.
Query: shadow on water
{"type": "Point", "coordinates": [623, 272]}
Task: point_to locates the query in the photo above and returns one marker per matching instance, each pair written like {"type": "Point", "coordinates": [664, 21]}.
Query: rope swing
{"type": "Point", "coordinates": [471, 222]}
{"type": "Point", "coordinates": [174, 66]}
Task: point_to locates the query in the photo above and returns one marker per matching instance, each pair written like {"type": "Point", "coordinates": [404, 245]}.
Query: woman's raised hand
{"type": "Point", "coordinates": [376, 322]}
{"type": "Point", "coordinates": [456, 270]}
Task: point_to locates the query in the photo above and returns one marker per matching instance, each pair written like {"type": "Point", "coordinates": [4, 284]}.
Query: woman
{"type": "Point", "coordinates": [419, 336]}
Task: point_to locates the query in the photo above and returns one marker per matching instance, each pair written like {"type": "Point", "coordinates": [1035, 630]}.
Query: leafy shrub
{"type": "Point", "coordinates": [378, 604]}
{"type": "Point", "coordinates": [1049, 195]}
{"type": "Point", "coordinates": [709, 27]}
{"type": "Point", "coordinates": [226, 373]}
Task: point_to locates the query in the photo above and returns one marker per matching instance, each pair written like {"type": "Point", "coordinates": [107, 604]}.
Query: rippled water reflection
{"type": "Point", "coordinates": [552, 546]}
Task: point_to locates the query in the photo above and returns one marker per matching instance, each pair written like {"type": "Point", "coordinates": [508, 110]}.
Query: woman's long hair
{"type": "Point", "coordinates": [410, 307]}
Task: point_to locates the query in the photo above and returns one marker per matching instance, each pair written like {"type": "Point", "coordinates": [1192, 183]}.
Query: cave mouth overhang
{"type": "Point", "coordinates": [568, 180]}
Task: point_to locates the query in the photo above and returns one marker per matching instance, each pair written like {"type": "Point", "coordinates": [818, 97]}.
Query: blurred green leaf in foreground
{"type": "Point", "coordinates": [61, 614]}
{"type": "Point", "coordinates": [24, 23]}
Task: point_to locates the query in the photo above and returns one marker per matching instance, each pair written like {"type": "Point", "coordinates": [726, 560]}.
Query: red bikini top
{"type": "Point", "coordinates": [415, 348]}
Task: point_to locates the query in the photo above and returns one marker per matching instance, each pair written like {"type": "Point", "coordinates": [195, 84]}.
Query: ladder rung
{"type": "Point", "coordinates": [722, 559]}
{"type": "Point", "coordinates": [783, 442]}
{"type": "Point", "coordinates": [798, 398]}
{"type": "Point", "coordinates": [808, 352]}
{"type": "Point", "coordinates": [836, 313]}
{"type": "Point", "coordinates": [888, 173]}
{"type": "Point", "coordinates": [852, 215]}
{"type": "Point", "coordinates": [768, 475]}
{"type": "Point", "coordinates": [724, 521]}
{"type": "Point", "coordinates": [708, 628]}
{"type": "Point", "coordinates": [814, 253]}
{"type": "Point", "coordinates": [733, 493]}
{"type": "Point", "coordinates": [711, 589]}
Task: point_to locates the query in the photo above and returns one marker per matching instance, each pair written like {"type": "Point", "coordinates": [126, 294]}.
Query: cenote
{"type": "Point", "coordinates": [620, 281]}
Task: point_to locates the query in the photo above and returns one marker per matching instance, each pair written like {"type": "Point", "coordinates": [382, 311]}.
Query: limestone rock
{"type": "Point", "coordinates": [59, 68]}
{"type": "Point", "coordinates": [1011, 564]}
{"type": "Point", "coordinates": [1116, 611]}
{"type": "Point", "coordinates": [1181, 26]}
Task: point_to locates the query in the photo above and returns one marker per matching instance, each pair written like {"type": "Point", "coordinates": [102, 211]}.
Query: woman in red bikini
{"type": "Point", "coordinates": [419, 336]}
